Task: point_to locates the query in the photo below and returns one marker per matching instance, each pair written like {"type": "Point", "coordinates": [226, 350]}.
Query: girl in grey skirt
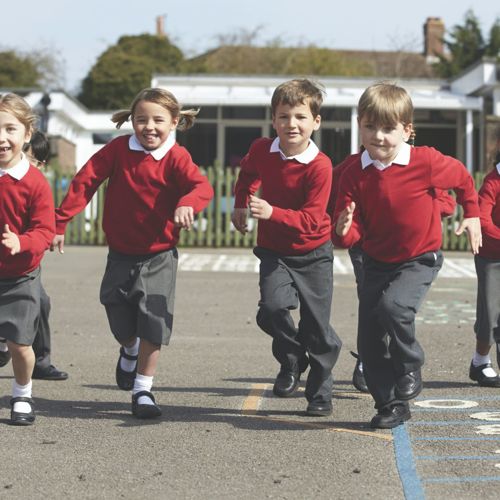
{"type": "Point", "coordinates": [27, 228]}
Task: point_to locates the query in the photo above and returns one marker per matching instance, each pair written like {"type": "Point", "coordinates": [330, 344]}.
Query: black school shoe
{"type": "Point", "coordinates": [49, 373]}
{"type": "Point", "coordinates": [476, 373]}
{"type": "Point", "coordinates": [408, 386]}
{"type": "Point", "coordinates": [144, 411]}
{"type": "Point", "coordinates": [286, 383]}
{"type": "Point", "coordinates": [390, 417]}
{"type": "Point", "coordinates": [124, 379]}
{"type": "Point", "coordinates": [4, 358]}
{"type": "Point", "coordinates": [358, 377]}
{"type": "Point", "coordinates": [319, 409]}
{"type": "Point", "coordinates": [20, 418]}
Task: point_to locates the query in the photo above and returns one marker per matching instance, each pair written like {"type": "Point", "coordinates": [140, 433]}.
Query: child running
{"type": "Point", "coordinates": [154, 190]}
{"type": "Point", "coordinates": [293, 245]}
{"type": "Point", "coordinates": [487, 261]}
{"type": "Point", "coordinates": [27, 224]}
{"type": "Point", "coordinates": [386, 201]}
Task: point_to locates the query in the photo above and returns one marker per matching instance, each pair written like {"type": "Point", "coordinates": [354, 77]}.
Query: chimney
{"type": "Point", "coordinates": [160, 26]}
{"type": "Point", "coordinates": [433, 39]}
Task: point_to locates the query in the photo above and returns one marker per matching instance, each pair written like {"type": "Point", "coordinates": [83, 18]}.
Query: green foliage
{"type": "Point", "coordinates": [493, 49]}
{"type": "Point", "coordinates": [273, 60]}
{"type": "Point", "coordinates": [127, 67]}
{"type": "Point", "coordinates": [467, 46]}
{"type": "Point", "coordinates": [18, 70]}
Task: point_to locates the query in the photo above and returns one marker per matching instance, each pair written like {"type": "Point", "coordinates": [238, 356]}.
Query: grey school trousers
{"type": "Point", "coordinates": [487, 325]}
{"type": "Point", "coordinates": [389, 300]}
{"type": "Point", "coordinates": [287, 282]}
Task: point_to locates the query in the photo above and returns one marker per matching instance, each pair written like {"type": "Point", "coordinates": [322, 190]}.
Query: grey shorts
{"type": "Point", "coordinates": [20, 307]}
{"type": "Point", "coordinates": [138, 294]}
{"type": "Point", "coordinates": [487, 326]}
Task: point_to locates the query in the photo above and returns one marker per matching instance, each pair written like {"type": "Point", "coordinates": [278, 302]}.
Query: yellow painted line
{"type": "Point", "coordinates": [252, 403]}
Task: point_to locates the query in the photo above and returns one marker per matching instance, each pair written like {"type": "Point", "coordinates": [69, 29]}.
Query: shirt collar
{"type": "Point", "coordinates": [498, 167]}
{"type": "Point", "coordinates": [19, 170]}
{"type": "Point", "coordinates": [157, 154]}
{"type": "Point", "coordinates": [402, 158]}
{"type": "Point", "coordinates": [305, 157]}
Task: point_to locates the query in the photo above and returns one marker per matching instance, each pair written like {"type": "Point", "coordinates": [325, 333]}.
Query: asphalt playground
{"type": "Point", "coordinates": [222, 434]}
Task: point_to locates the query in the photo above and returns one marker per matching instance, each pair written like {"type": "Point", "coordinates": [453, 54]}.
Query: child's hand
{"type": "Point", "coordinates": [57, 242]}
{"type": "Point", "coordinates": [184, 217]}
{"type": "Point", "coordinates": [473, 228]}
{"type": "Point", "coordinates": [344, 222]}
{"type": "Point", "coordinates": [259, 208]}
{"type": "Point", "coordinates": [11, 240]}
{"type": "Point", "coordinates": [239, 219]}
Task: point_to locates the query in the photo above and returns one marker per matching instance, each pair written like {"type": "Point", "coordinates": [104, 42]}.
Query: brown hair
{"type": "Point", "coordinates": [385, 103]}
{"type": "Point", "coordinates": [18, 107]}
{"type": "Point", "coordinates": [165, 99]}
{"type": "Point", "coordinates": [299, 91]}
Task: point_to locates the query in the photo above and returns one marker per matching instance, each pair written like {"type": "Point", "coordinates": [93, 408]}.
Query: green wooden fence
{"type": "Point", "coordinates": [213, 226]}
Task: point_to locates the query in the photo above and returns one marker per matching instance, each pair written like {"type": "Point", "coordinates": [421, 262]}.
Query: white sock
{"type": "Point", "coordinates": [127, 364]}
{"type": "Point", "coordinates": [143, 383]}
{"type": "Point", "coordinates": [360, 367]}
{"type": "Point", "coordinates": [478, 360]}
{"type": "Point", "coordinates": [21, 391]}
{"type": "Point", "coordinates": [3, 346]}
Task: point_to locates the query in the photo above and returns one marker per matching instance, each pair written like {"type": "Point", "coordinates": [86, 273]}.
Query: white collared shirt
{"type": "Point", "coordinates": [305, 157]}
{"type": "Point", "coordinates": [157, 154]}
{"type": "Point", "coordinates": [402, 158]}
{"type": "Point", "coordinates": [19, 170]}
{"type": "Point", "coordinates": [498, 168]}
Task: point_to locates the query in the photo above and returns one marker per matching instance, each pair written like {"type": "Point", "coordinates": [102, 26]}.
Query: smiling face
{"type": "Point", "coordinates": [13, 136]}
{"type": "Point", "coordinates": [152, 124]}
{"type": "Point", "coordinates": [294, 126]}
{"type": "Point", "coordinates": [383, 141]}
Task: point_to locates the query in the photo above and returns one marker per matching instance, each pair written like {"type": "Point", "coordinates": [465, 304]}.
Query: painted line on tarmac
{"type": "Point", "coordinates": [410, 481]}
{"type": "Point", "coordinates": [252, 403]}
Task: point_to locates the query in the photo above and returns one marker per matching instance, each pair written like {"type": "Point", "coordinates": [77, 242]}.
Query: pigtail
{"type": "Point", "coordinates": [187, 118]}
{"type": "Point", "coordinates": [120, 117]}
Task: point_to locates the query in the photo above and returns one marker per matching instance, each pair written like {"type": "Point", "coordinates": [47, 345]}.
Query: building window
{"type": "Point", "coordinates": [336, 143]}
{"type": "Point", "coordinates": [101, 137]}
{"type": "Point", "coordinates": [336, 114]}
{"type": "Point", "coordinates": [201, 142]}
{"type": "Point", "coordinates": [209, 112]}
{"type": "Point", "coordinates": [237, 143]}
{"type": "Point", "coordinates": [244, 112]}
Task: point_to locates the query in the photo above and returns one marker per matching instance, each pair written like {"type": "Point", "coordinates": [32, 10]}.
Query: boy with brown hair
{"type": "Point", "coordinates": [293, 244]}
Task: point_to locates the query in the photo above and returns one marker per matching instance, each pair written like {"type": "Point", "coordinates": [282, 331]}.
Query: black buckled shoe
{"type": "Point", "coordinates": [390, 417]}
{"type": "Point", "coordinates": [319, 409]}
{"type": "Point", "coordinates": [124, 379]}
{"type": "Point", "coordinates": [477, 374]}
{"type": "Point", "coordinates": [358, 377]}
{"type": "Point", "coordinates": [409, 386]}
{"type": "Point", "coordinates": [21, 418]}
{"type": "Point", "coordinates": [144, 411]}
{"type": "Point", "coordinates": [49, 373]}
{"type": "Point", "coordinates": [4, 358]}
{"type": "Point", "coordinates": [286, 383]}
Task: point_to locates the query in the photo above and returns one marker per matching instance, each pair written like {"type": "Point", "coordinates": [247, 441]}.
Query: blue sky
{"type": "Point", "coordinates": [78, 32]}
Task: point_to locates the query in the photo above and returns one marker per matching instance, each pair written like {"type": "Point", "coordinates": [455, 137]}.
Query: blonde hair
{"type": "Point", "coordinates": [165, 99]}
{"type": "Point", "coordinates": [385, 103]}
{"type": "Point", "coordinates": [299, 91]}
{"type": "Point", "coordinates": [18, 107]}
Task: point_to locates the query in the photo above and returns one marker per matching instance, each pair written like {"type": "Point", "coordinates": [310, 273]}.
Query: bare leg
{"type": "Point", "coordinates": [149, 354]}
{"type": "Point", "coordinates": [482, 347]}
{"type": "Point", "coordinates": [23, 362]}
